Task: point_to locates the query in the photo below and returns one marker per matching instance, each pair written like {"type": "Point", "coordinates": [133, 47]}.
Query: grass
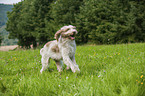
{"type": "Point", "coordinates": [106, 70]}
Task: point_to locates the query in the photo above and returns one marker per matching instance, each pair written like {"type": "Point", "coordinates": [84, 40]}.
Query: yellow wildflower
{"type": "Point", "coordinates": [141, 82]}
{"type": "Point", "coordinates": [141, 76]}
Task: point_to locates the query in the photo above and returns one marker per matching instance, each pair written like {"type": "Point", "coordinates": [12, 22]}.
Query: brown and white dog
{"type": "Point", "coordinates": [63, 48]}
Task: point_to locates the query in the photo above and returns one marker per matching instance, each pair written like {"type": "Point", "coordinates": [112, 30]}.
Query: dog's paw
{"type": "Point", "coordinates": [76, 70]}
{"type": "Point", "coordinates": [67, 68]}
{"type": "Point", "coordinates": [60, 70]}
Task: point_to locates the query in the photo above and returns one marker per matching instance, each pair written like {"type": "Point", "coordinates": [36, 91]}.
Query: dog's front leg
{"type": "Point", "coordinates": [76, 67]}
{"type": "Point", "coordinates": [69, 63]}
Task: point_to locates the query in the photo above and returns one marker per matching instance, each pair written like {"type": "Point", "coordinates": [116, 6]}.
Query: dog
{"type": "Point", "coordinates": [61, 50]}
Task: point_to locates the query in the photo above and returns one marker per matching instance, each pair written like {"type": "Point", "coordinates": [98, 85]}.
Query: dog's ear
{"type": "Point", "coordinates": [57, 34]}
{"type": "Point", "coordinates": [63, 29]}
{"type": "Point", "coordinates": [66, 29]}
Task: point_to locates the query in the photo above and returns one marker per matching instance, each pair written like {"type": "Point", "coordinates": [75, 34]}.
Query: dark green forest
{"type": "Point", "coordinates": [97, 21]}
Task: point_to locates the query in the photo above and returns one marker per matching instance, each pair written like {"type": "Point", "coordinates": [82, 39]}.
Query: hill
{"type": "Point", "coordinates": [3, 19]}
{"type": "Point", "coordinates": [6, 40]}
{"type": "Point", "coordinates": [3, 13]}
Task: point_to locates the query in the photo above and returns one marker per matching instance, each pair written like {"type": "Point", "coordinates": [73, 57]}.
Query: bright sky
{"type": "Point", "coordinates": [9, 1]}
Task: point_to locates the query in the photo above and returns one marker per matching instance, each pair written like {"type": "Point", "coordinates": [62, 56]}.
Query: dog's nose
{"type": "Point", "coordinates": [74, 32]}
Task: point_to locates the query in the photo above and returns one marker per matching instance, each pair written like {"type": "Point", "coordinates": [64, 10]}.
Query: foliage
{"type": "Point", "coordinates": [111, 21]}
{"type": "Point", "coordinates": [106, 70]}
{"type": "Point", "coordinates": [98, 21]}
{"type": "Point", "coordinates": [26, 22]}
{"type": "Point", "coordinates": [62, 12]}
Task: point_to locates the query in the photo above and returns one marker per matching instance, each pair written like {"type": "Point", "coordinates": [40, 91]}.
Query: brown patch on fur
{"type": "Point", "coordinates": [47, 44]}
{"type": "Point", "coordinates": [55, 49]}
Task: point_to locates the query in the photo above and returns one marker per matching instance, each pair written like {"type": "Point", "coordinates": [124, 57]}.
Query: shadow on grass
{"type": "Point", "coordinates": [2, 88]}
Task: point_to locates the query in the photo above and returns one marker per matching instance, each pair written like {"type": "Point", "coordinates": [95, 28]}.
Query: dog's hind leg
{"type": "Point", "coordinates": [44, 60]}
{"type": "Point", "coordinates": [59, 65]}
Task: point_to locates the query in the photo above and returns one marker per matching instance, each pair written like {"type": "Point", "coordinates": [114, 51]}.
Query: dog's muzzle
{"type": "Point", "coordinates": [70, 35]}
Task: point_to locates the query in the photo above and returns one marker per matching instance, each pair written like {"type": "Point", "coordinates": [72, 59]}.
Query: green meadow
{"type": "Point", "coordinates": [106, 70]}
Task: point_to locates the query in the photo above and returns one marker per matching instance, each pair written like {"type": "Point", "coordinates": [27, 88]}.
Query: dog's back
{"type": "Point", "coordinates": [51, 50]}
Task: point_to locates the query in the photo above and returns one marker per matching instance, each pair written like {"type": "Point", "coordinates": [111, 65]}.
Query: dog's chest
{"type": "Point", "coordinates": [68, 48]}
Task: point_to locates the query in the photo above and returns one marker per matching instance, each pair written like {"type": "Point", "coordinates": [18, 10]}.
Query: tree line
{"type": "Point", "coordinates": [97, 21]}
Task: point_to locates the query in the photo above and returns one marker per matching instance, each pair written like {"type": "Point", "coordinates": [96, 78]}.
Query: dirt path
{"type": "Point", "coordinates": [7, 48]}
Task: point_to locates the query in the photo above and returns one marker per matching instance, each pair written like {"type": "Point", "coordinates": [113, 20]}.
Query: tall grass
{"type": "Point", "coordinates": [106, 70]}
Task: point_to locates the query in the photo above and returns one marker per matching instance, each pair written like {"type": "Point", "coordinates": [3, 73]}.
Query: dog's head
{"type": "Point", "coordinates": [67, 32]}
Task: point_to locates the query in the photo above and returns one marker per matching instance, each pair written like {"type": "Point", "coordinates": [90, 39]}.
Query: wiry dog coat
{"type": "Point", "coordinates": [63, 48]}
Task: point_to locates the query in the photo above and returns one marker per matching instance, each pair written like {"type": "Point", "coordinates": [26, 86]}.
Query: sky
{"type": "Point", "coordinates": [9, 1]}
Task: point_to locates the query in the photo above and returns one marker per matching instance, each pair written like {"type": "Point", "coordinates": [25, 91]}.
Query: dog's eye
{"type": "Point", "coordinates": [67, 29]}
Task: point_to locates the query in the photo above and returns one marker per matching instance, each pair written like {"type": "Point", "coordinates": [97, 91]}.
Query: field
{"type": "Point", "coordinates": [7, 48]}
{"type": "Point", "coordinates": [106, 70]}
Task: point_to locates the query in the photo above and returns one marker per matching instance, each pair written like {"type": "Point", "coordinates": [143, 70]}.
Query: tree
{"type": "Point", "coordinates": [39, 14]}
{"type": "Point", "coordinates": [62, 12]}
{"type": "Point", "coordinates": [13, 21]}
{"type": "Point", "coordinates": [97, 21]}
{"type": "Point", "coordinates": [111, 21]}
{"type": "Point", "coordinates": [26, 22]}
